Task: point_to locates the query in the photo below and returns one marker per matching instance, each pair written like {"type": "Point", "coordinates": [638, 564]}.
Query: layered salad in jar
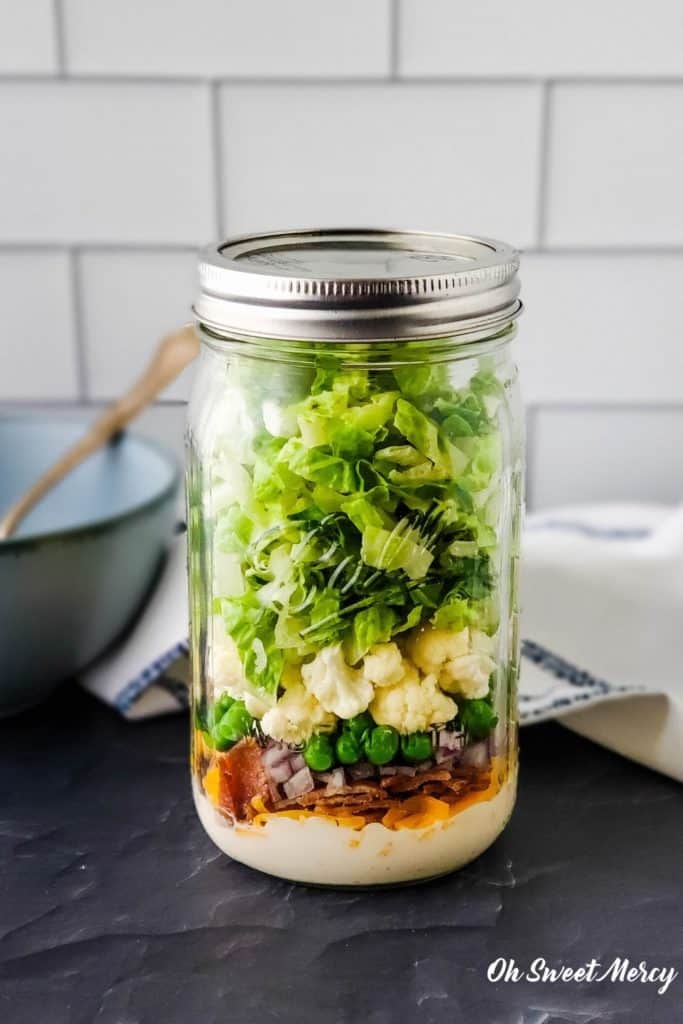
{"type": "Point", "coordinates": [353, 725]}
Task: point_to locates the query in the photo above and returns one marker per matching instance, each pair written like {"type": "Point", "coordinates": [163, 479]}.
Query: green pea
{"type": "Point", "coordinates": [348, 748]}
{"type": "Point", "coordinates": [477, 718]}
{"type": "Point", "coordinates": [417, 746]}
{"type": "Point", "coordinates": [223, 704]}
{"type": "Point", "coordinates": [318, 753]}
{"type": "Point", "coordinates": [359, 726]}
{"type": "Point", "coordinates": [235, 723]}
{"type": "Point", "coordinates": [218, 742]}
{"type": "Point", "coordinates": [381, 744]}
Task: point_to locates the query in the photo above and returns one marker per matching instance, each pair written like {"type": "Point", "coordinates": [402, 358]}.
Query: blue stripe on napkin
{"type": "Point", "coordinates": [152, 674]}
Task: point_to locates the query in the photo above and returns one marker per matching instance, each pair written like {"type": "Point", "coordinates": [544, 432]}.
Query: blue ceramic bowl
{"type": "Point", "coordinates": [81, 564]}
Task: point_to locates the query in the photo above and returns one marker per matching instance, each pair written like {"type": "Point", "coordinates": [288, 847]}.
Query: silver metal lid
{"type": "Point", "coordinates": [347, 284]}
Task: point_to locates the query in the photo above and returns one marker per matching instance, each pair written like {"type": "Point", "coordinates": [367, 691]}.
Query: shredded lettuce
{"type": "Point", "coordinates": [366, 514]}
{"type": "Point", "coordinates": [251, 626]}
{"type": "Point", "coordinates": [399, 548]}
{"type": "Point", "coordinates": [370, 626]}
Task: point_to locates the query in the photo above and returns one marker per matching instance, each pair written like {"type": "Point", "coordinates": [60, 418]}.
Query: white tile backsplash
{"type": "Point", "coordinates": [105, 162]}
{"type": "Point", "coordinates": [37, 341]}
{"type": "Point", "coordinates": [129, 130]}
{"type": "Point", "coordinates": [601, 328]}
{"type": "Point", "coordinates": [615, 165]}
{"type": "Point", "coordinates": [424, 156]}
{"type": "Point", "coordinates": [540, 38]}
{"type": "Point", "coordinates": [591, 455]}
{"type": "Point", "coordinates": [228, 38]}
{"type": "Point", "coordinates": [27, 37]}
{"type": "Point", "coordinates": [129, 300]}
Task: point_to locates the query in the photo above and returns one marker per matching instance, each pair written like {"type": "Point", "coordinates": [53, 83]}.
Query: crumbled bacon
{"type": "Point", "coordinates": [408, 784]}
{"type": "Point", "coordinates": [241, 785]}
{"type": "Point", "coordinates": [241, 778]}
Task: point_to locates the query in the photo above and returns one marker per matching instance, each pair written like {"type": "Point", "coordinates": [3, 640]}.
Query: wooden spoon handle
{"type": "Point", "coordinates": [175, 351]}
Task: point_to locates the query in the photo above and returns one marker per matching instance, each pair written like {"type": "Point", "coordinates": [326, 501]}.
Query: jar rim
{"type": "Point", "coordinates": [346, 284]}
{"type": "Point", "coordinates": [371, 353]}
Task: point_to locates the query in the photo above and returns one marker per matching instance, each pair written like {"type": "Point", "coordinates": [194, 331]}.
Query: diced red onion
{"type": "Point", "coordinates": [362, 770]}
{"type": "Point", "coordinates": [274, 791]}
{"type": "Point", "coordinates": [336, 779]}
{"type": "Point", "coordinates": [280, 772]}
{"type": "Point", "coordinates": [445, 757]}
{"type": "Point", "coordinates": [450, 740]}
{"type": "Point", "coordinates": [476, 755]}
{"type": "Point", "coordinates": [300, 783]}
{"type": "Point", "coordinates": [275, 754]}
{"type": "Point", "coordinates": [297, 762]}
{"type": "Point", "coordinates": [424, 766]}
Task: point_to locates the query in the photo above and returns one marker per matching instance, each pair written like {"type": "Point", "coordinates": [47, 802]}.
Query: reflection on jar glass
{"type": "Point", "coordinates": [354, 493]}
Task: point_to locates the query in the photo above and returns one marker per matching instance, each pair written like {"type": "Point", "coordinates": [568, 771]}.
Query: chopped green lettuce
{"type": "Point", "coordinates": [251, 626]}
{"type": "Point", "coordinates": [370, 626]}
{"type": "Point", "coordinates": [367, 515]}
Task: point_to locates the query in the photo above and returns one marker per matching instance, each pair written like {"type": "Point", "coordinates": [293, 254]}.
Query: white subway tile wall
{"type": "Point", "coordinates": [348, 38]}
{"type": "Point", "coordinates": [134, 132]}
{"type": "Point", "coordinates": [28, 40]}
{"type": "Point", "coordinates": [128, 301]}
{"type": "Point", "coordinates": [601, 328]}
{"type": "Point", "coordinates": [39, 355]}
{"type": "Point", "coordinates": [539, 38]}
{"type": "Point", "coordinates": [105, 162]}
{"type": "Point", "coordinates": [603, 454]}
{"type": "Point", "coordinates": [392, 154]}
{"type": "Point", "coordinates": [616, 164]}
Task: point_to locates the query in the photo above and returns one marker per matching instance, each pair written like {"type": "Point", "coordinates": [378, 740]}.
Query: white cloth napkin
{"type": "Point", "coordinates": [602, 599]}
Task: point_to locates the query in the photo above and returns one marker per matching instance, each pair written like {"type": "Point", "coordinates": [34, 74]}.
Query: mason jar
{"type": "Point", "coordinates": [354, 489]}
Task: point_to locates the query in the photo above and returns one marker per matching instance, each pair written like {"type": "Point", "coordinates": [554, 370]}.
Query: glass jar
{"type": "Point", "coordinates": [354, 495]}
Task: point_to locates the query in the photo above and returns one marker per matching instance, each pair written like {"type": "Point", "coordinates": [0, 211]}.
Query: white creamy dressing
{"type": "Point", "coordinates": [321, 852]}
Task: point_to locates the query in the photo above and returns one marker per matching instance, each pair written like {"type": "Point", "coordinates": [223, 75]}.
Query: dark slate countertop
{"type": "Point", "coordinates": [115, 908]}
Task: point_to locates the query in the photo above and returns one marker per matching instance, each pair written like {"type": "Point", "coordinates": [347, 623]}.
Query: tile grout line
{"type": "Point", "coordinates": [60, 37]}
{"type": "Point", "coordinates": [78, 320]}
{"type": "Point", "coordinates": [608, 406]}
{"type": "Point", "coordinates": [217, 162]}
{"type": "Point", "coordinates": [130, 78]}
{"type": "Point", "coordinates": [543, 190]}
{"type": "Point", "coordinates": [615, 251]}
{"type": "Point", "coordinates": [83, 403]}
{"type": "Point", "coordinates": [145, 247]}
{"type": "Point", "coordinates": [534, 408]}
{"type": "Point", "coordinates": [610, 251]}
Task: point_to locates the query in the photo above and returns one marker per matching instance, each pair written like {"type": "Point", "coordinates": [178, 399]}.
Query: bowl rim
{"type": "Point", "coordinates": [102, 524]}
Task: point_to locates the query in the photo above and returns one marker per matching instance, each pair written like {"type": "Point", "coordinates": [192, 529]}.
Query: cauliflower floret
{"type": "Point", "coordinates": [383, 665]}
{"type": "Point", "coordinates": [461, 660]}
{"type": "Point", "coordinates": [296, 716]}
{"type": "Point", "coordinates": [430, 648]}
{"type": "Point", "coordinates": [468, 675]}
{"type": "Point", "coordinates": [340, 689]}
{"type": "Point", "coordinates": [412, 705]}
{"type": "Point", "coordinates": [224, 664]}
{"type": "Point", "coordinates": [256, 706]}
{"type": "Point", "coordinates": [482, 642]}
{"type": "Point", "coordinates": [227, 674]}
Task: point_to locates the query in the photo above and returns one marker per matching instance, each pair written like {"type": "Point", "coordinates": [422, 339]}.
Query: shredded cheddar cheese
{"type": "Point", "coordinates": [212, 782]}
